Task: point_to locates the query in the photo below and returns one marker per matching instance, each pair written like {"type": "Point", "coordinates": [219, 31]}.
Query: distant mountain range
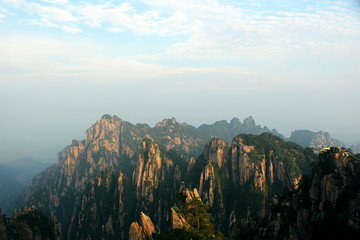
{"type": "Point", "coordinates": [17, 174]}
{"type": "Point", "coordinates": [22, 169]}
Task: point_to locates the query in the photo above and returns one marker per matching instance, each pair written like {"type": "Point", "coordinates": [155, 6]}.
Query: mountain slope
{"type": "Point", "coordinates": [235, 179]}
{"type": "Point", "coordinates": [8, 187]}
{"type": "Point", "coordinates": [22, 169]}
{"type": "Point", "coordinates": [324, 206]}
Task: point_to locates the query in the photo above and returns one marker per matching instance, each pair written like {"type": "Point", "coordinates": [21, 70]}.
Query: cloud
{"type": "Point", "coordinates": [210, 30]}
{"type": "Point", "coordinates": [57, 2]}
{"type": "Point", "coordinates": [25, 57]}
{"type": "Point", "coordinates": [52, 13]}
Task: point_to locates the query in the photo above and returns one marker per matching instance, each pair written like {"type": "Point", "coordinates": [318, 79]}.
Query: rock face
{"type": "Point", "coordinates": [326, 204]}
{"type": "Point", "coordinates": [245, 173]}
{"type": "Point", "coordinates": [142, 231]}
{"type": "Point", "coordinates": [178, 221]}
{"type": "Point", "coordinates": [157, 180]}
{"type": "Point", "coordinates": [311, 139]}
{"type": "Point", "coordinates": [151, 169]}
{"type": "Point", "coordinates": [105, 208]}
{"type": "Point", "coordinates": [190, 195]}
{"type": "Point", "coordinates": [135, 232]}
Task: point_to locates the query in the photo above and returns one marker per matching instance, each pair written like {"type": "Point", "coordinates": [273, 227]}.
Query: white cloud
{"type": "Point", "coordinates": [39, 58]}
{"type": "Point", "coordinates": [2, 15]}
{"type": "Point", "coordinates": [71, 29]}
{"type": "Point", "coordinates": [212, 29]}
{"type": "Point", "coordinates": [53, 13]}
{"type": "Point", "coordinates": [57, 2]}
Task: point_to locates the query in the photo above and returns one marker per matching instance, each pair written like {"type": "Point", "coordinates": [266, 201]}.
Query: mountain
{"type": "Point", "coordinates": [255, 184]}
{"type": "Point", "coordinates": [235, 179]}
{"type": "Point", "coordinates": [227, 131]}
{"type": "Point", "coordinates": [16, 175]}
{"type": "Point", "coordinates": [99, 185]}
{"type": "Point", "coordinates": [8, 187]}
{"type": "Point", "coordinates": [191, 221]}
{"type": "Point", "coordinates": [324, 206]}
{"type": "Point", "coordinates": [355, 148]}
{"type": "Point", "coordinates": [315, 140]}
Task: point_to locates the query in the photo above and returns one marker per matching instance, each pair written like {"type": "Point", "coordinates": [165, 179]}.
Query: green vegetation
{"type": "Point", "coordinates": [30, 224]}
{"type": "Point", "coordinates": [296, 159]}
{"type": "Point", "coordinates": [196, 214]}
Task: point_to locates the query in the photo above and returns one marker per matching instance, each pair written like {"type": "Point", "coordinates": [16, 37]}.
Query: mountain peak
{"type": "Point", "coordinates": [249, 120]}
{"type": "Point", "coordinates": [235, 120]}
{"type": "Point", "coordinates": [167, 122]}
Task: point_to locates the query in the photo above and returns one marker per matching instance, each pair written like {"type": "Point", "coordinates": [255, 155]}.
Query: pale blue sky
{"type": "Point", "coordinates": [63, 64]}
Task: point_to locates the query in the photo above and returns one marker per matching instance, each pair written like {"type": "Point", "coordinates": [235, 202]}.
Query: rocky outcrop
{"type": "Point", "coordinates": [178, 221]}
{"type": "Point", "coordinates": [325, 205]}
{"type": "Point", "coordinates": [142, 231]}
{"type": "Point", "coordinates": [190, 195]}
{"type": "Point", "coordinates": [135, 232]}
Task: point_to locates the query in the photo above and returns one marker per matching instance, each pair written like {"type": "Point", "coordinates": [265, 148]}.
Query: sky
{"type": "Point", "coordinates": [63, 64]}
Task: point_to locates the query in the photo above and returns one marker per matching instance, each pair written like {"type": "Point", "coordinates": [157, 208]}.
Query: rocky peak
{"type": "Point", "coordinates": [107, 128]}
{"type": "Point", "coordinates": [190, 195]}
{"type": "Point", "coordinates": [249, 121]}
{"type": "Point", "coordinates": [235, 121]}
{"type": "Point", "coordinates": [167, 122]}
